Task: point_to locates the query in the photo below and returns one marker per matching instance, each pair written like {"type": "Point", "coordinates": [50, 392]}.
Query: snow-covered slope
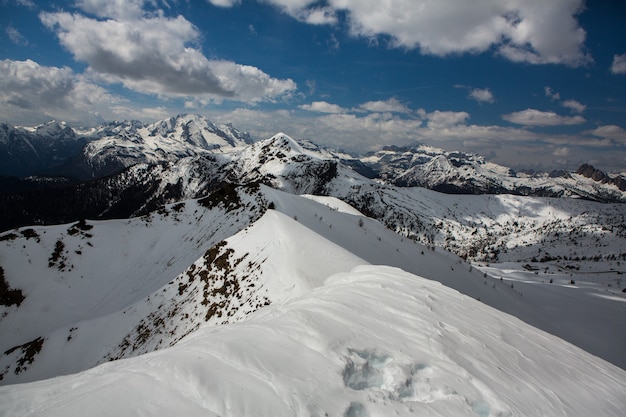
{"type": "Point", "coordinates": [492, 228]}
{"type": "Point", "coordinates": [373, 341]}
{"type": "Point", "coordinates": [124, 288]}
{"type": "Point", "coordinates": [584, 309]}
{"type": "Point", "coordinates": [72, 276]}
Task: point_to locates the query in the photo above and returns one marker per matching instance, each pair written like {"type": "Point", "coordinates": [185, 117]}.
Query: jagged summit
{"type": "Point", "coordinates": [112, 128]}
{"type": "Point", "coordinates": [294, 147]}
{"type": "Point", "coordinates": [52, 131]}
{"type": "Point", "coordinates": [589, 171]}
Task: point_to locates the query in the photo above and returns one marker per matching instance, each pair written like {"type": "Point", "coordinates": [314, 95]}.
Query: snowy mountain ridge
{"type": "Point", "coordinates": [264, 302]}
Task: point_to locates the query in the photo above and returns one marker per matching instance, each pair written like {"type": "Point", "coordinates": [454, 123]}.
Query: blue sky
{"type": "Point", "coordinates": [527, 83]}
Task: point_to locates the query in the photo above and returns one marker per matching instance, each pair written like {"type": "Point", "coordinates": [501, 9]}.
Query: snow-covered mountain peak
{"type": "Point", "coordinates": [285, 163]}
{"type": "Point", "coordinates": [55, 148]}
{"type": "Point", "coordinates": [286, 143]}
{"type": "Point", "coordinates": [35, 150]}
{"type": "Point", "coordinates": [274, 152]}
{"type": "Point", "coordinates": [440, 164]}
{"type": "Point", "coordinates": [588, 171]}
{"type": "Point", "coordinates": [196, 130]}
{"type": "Point", "coordinates": [167, 140]}
{"type": "Point", "coordinates": [55, 129]}
{"type": "Point", "coordinates": [297, 148]}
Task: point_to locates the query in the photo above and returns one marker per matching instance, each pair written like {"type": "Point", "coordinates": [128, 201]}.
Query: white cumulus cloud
{"type": "Point", "coordinates": [619, 64]}
{"type": "Point", "coordinates": [533, 117]}
{"type": "Point", "coordinates": [32, 93]}
{"type": "Point", "coordinates": [441, 119]}
{"type": "Point", "coordinates": [155, 54]}
{"type": "Point", "coordinates": [482, 95]}
{"type": "Point", "coordinates": [224, 3]}
{"type": "Point", "coordinates": [612, 132]}
{"type": "Point", "coordinates": [532, 31]}
{"type": "Point", "coordinates": [322, 107]}
{"type": "Point", "coordinates": [574, 106]}
{"type": "Point", "coordinates": [391, 105]}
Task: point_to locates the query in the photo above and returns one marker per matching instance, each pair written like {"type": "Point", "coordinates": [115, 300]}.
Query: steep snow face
{"type": "Point", "coordinates": [334, 204]}
{"type": "Point", "coordinates": [373, 341]}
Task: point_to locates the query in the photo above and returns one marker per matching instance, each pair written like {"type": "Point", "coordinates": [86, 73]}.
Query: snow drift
{"type": "Point", "coordinates": [373, 341]}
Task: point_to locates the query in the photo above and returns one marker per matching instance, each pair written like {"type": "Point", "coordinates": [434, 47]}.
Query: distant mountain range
{"type": "Point", "coordinates": [56, 149]}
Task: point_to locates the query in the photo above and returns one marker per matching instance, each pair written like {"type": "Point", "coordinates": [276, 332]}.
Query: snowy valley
{"type": "Point", "coordinates": [274, 278]}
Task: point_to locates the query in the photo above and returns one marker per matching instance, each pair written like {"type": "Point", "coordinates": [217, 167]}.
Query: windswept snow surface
{"type": "Point", "coordinates": [375, 341]}
{"type": "Point", "coordinates": [129, 287]}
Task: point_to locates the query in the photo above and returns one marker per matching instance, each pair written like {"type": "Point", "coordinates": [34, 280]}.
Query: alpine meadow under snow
{"type": "Point", "coordinates": [218, 277]}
